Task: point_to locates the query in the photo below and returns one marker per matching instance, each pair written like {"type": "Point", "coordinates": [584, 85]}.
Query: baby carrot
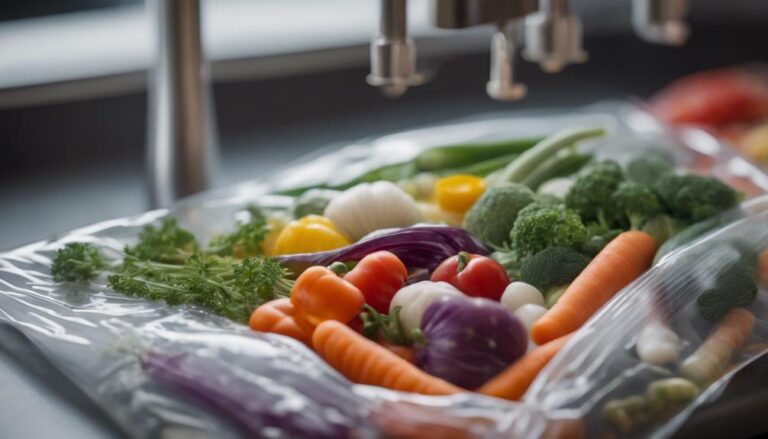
{"type": "Point", "coordinates": [276, 316]}
{"type": "Point", "coordinates": [365, 362]}
{"type": "Point", "coordinates": [618, 264]}
{"type": "Point", "coordinates": [713, 356]}
{"type": "Point", "coordinates": [513, 382]}
{"type": "Point", "coordinates": [762, 270]}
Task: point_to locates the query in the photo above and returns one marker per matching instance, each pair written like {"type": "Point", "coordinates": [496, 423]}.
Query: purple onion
{"type": "Point", "coordinates": [419, 247]}
{"type": "Point", "coordinates": [469, 341]}
{"type": "Point", "coordinates": [269, 400]}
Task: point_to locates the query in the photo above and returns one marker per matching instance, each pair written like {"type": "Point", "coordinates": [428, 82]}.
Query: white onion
{"type": "Point", "coordinates": [518, 294]}
{"type": "Point", "coordinates": [414, 299]}
{"type": "Point", "coordinates": [372, 206]}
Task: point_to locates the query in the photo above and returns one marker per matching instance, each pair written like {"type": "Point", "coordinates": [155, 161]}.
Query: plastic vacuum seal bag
{"type": "Point", "coordinates": [160, 370]}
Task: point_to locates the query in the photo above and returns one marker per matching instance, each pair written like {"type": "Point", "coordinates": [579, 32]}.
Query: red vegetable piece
{"type": "Point", "coordinates": [474, 275]}
{"type": "Point", "coordinates": [378, 276]}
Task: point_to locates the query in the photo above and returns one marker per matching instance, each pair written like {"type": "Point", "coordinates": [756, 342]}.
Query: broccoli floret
{"type": "Point", "coordinates": [491, 217]}
{"type": "Point", "coordinates": [695, 197]}
{"type": "Point", "coordinates": [590, 194]}
{"type": "Point", "coordinates": [511, 261]}
{"type": "Point", "coordinates": [662, 227]}
{"type": "Point", "coordinates": [735, 286]}
{"type": "Point", "coordinates": [649, 166]}
{"type": "Point", "coordinates": [598, 236]}
{"type": "Point", "coordinates": [552, 267]}
{"type": "Point", "coordinates": [77, 262]}
{"type": "Point", "coordinates": [538, 227]}
{"type": "Point", "coordinates": [638, 202]}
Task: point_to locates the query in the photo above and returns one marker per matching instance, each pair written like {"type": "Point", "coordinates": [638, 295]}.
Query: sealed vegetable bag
{"type": "Point", "coordinates": [154, 325]}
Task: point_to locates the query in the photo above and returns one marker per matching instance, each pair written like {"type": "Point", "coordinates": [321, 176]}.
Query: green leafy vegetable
{"type": "Point", "coordinates": [591, 193]}
{"type": "Point", "coordinates": [77, 262]}
{"type": "Point", "coordinates": [224, 285]}
{"type": "Point", "coordinates": [540, 226]}
{"type": "Point", "coordinates": [245, 240]}
{"type": "Point", "coordinates": [552, 267]}
{"type": "Point", "coordinates": [166, 243]}
{"type": "Point", "coordinates": [491, 217]}
{"type": "Point", "coordinates": [648, 167]}
{"type": "Point", "coordinates": [695, 197]}
{"type": "Point", "coordinates": [639, 203]}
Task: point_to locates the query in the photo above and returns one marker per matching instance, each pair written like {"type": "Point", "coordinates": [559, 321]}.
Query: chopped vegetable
{"type": "Point", "coordinates": [224, 285]}
{"type": "Point", "coordinates": [364, 362]}
{"type": "Point", "coordinates": [276, 317]}
{"type": "Point", "coordinates": [313, 202]}
{"type": "Point", "coordinates": [368, 207]}
{"type": "Point", "coordinates": [667, 396]}
{"type": "Point", "coordinates": [590, 194]}
{"type": "Point", "coordinates": [319, 295]}
{"type": "Point", "coordinates": [518, 294]}
{"type": "Point", "coordinates": [474, 275]}
{"type": "Point", "coordinates": [513, 382]}
{"type": "Point", "coordinates": [695, 197]}
{"type": "Point", "coordinates": [414, 299]}
{"type": "Point", "coordinates": [618, 264]}
{"type": "Point", "coordinates": [529, 314]}
{"type": "Point", "coordinates": [467, 341]}
{"type": "Point", "coordinates": [77, 262]}
{"type": "Point", "coordinates": [553, 267]}
{"type": "Point", "coordinates": [310, 234]}
{"type": "Point", "coordinates": [457, 193]}
{"type": "Point", "coordinates": [734, 287]}
{"type": "Point", "coordinates": [493, 215]}
{"type": "Point", "coordinates": [378, 276]}
{"type": "Point", "coordinates": [538, 227]}
{"type": "Point", "coordinates": [648, 167]}
{"type": "Point", "coordinates": [712, 357]}
{"type": "Point", "coordinates": [657, 344]}
{"type": "Point", "coordinates": [638, 203]}
{"type": "Point", "coordinates": [417, 247]}
{"type": "Point", "coordinates": [518, 170]}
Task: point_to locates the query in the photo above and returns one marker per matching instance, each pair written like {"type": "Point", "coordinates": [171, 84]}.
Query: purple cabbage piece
{"type": "Point", "coordinates": [469, 341]}
{"type": "Point", "coordinates": [419, 247]}
{"type": "Point", "coordinates": [276, 400]}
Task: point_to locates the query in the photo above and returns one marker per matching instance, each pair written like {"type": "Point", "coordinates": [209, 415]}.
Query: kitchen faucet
{"type": "Point", "coordinates": [182, 142]}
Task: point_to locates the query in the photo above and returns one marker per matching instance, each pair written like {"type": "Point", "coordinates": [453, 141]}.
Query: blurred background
{"type": "Point", "coordinates": [288, 77]}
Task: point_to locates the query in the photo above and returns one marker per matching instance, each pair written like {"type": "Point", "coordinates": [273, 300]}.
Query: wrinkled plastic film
{"type": "Point", "coordinates": [136, 359]}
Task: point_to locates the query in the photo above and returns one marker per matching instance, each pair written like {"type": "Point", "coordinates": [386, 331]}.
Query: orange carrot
{"type": "Point", "coordinates": [762, 270]}
{"type": "Point", "coordinates": [513, 382]}
{"type": "Point", "coordinates": [365, 362]}
{"type": "Point", "coordinates": [404, 352]}
{"type": "Point", "coordinates": [713, 356]}
{"type": "Point", "coordinates": [618, 264]}
{"type": "Point", "coordinates": [277, 317]}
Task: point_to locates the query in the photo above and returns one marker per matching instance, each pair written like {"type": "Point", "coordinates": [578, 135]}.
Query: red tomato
{"type": "Point", "coordinates": [378, 276]}
{"type": "Point", "coordinates": [474, 275]}
{"type": "Point", "coordinates": [713, 98]}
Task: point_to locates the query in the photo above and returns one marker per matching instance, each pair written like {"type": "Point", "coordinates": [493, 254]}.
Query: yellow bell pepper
{"type": "Point", "coordinates": [312, 233]}
{"type": "Point", "coordinates": [457, 193]}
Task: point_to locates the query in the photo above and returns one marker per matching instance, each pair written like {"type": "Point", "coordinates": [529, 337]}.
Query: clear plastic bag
{"type": "Point", "coordinates": [159, 370]}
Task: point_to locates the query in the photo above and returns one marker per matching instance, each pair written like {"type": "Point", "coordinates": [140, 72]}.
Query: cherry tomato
{"type": "Point", "coordinates": [474, 275]}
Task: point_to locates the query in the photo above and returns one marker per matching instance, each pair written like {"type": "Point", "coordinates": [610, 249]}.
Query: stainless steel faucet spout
{"type": "Point", "coordinates": [181, 143]}
{"type": "Point", "coordinates": [393, 54]}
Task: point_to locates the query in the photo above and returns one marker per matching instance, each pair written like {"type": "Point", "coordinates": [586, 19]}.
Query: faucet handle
{"type": "Point", "coordinates": [661, 21]}
{"type": "Point", "coordinates": [553, 36]}
{"type": "Point", "coordinates": [502, 85]}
